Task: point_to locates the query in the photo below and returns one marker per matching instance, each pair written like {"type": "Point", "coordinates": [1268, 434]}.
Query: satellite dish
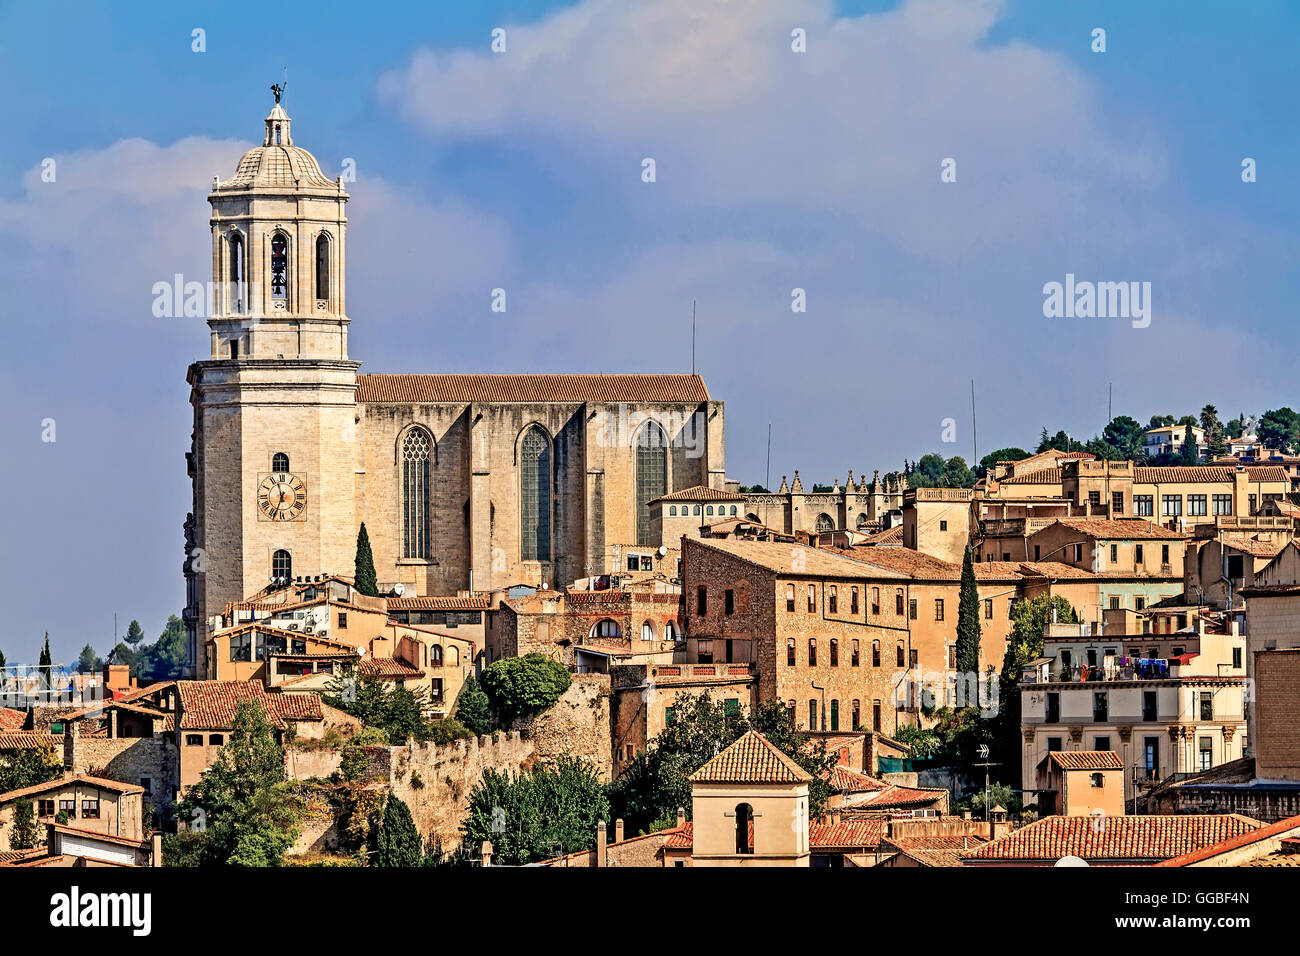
{"type": "Point", "coordinates": [399, 589]}
{"type": "Point", "coordinates": [1071, 861]}
{"type": "Point", "coordinates": [361, 650]}
{"type": "Point", "coordinates": [663, 552]}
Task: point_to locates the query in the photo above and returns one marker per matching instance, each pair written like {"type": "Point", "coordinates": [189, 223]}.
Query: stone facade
{"type": "Point", "coordinates": [149, 762]}
{"type": "Point", "coordinates": [865, 506]}
{"type": "Point", "coordinates": [435, 782]}
{"type": "Point", "coordinates": [292, 449]}
{"type": "Point", "coordinates": [576, 725]}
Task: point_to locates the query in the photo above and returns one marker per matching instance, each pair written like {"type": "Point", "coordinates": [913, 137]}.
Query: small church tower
{"type": "Point", "coordinates": [273, 461]}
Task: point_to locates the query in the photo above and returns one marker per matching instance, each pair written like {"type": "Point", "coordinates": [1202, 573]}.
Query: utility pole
{"type": "Point", "coordinates": [692, 336]}
{"type": "Point", "coordinates": [986, 763]}
{"type": "Point", "coordinates": [974, 437]}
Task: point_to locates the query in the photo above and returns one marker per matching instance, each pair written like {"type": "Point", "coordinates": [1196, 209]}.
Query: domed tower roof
{"type": "Point", "coordinates": [277, 163]}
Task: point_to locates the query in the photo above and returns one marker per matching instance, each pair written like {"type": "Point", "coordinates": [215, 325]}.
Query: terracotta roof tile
{"type": "Point", "coordinates": [27, 739]}
{"type": "Point", "coordinates": [855, 832]}
{"type": "Point", "coordinates": [1118, 839]}
{"type": "Point", "coordinates": [1123, 528]}
{"type": "Point", "coordinates": [893, 796]}
{"type": "Point", "coordinates": [934, 850]}
{"type": "Point", "coordinates": [211, 704]}
{"type": "Point", "coordinates": [1281, 828]}
{"type": "Point", "coordinates": [529, 388]}
{"type": "Point", "coordinates": [477, 602]}
{"type": "Point", "coordinates": [386, 668]}
{"type": "Point", "coordinates": [1043, 476]}
{"type": "Point", "coordinates": [1149, 475]}
{"type": "Point", "coordinates": [844, 780]}
{"type": "Point", "coordinates": [101, 782]}
{"type": "Point", "coordinates": [751, 759]}
{"type": "Point", "coordinates": [11, 719]}
{"type": "Point", "coordinates": [700, 493]}
{"type": "Point", "coordinates": [1086, 759]}
{"type": "Point", "coordinates": [786, 557]}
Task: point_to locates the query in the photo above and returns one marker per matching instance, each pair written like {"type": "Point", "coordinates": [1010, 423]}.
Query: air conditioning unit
{"type": "Point", "coordinates": [291, 626]}
{"type": "Point", "coordinates": [308, 629]}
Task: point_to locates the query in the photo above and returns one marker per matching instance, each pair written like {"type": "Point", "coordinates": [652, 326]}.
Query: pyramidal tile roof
{"type": "Point", "coordinates": [751, 759]}
{"type": "Point", "coordinates": [1086, 760]}
{"type": "Point", "coordinates": [1143, 839]}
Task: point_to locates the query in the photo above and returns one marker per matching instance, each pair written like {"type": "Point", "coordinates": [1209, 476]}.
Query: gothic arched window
{"type": "Point", "coordinates": [415, 495]}
{"type": "Point", "coordinates": [322, 266]}
{"type": "Point", "coordinates": [282, 566]}
{"type": "Point", "coordinates": [651, 477]}
{"type": "Point", "coordinates": [236, 273]}
{"type": "Point", "coordinates": [279, 266]}
{"type": "Point", "coordinates": [535, 496]}
{"type": "Point", "coordinates": [280, 462]}
{"type": "Point", "coordinates": [824, 523]}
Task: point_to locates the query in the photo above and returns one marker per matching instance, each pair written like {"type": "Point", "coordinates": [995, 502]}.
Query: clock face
{"type": "Point", "coordinates": [282, 497]}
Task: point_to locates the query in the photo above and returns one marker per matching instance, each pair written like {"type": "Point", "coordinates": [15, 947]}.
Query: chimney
{"type": "Point", "coordinates": [156, 858]}
{"type": "Point", "coordinates": [71, 735]}
{"type": "Point", "coordinates": [618, 830]}
{"type": "Point", "coordinates": [601, 837]}
{"type": "Point", "coordinates": [681, 817]}
{"type": "Point", "coordinates": [485, 851]}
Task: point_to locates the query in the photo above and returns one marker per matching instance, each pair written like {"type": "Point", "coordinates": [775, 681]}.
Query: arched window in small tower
{"type": "Point", "coordinates": [277, 134]}
{"type": "Point", "coordinates": [744, 828]}
{"type": "Point", "coordinates": [322, 266]}
{"type": "Point", "coordinates": [435, 655]}
{"type": "Point", "coordinates": [535, 496]}
{"type": "Point", "coordinates": [415, 495]}
{"type": "Point", "coordinates": [279, 266]}
{"type": "Point", "coordinates": [282, 566]}
{"type": "Point", "coordinates": [236, 273]}
{"type": "Point", "coordinates": [280, 462]}
{"type": "Point", "coordinates": [651, 477]}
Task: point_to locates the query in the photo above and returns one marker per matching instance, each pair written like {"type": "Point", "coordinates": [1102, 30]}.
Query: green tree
{"type": "Point", "coordinates": [29, 766]}
{"type": "Point", "coordinates": [162, 660]}
{"type": "Point", "coordinates": [1029, 619]}
{"type": "Point", "coordinates": [1003, 454]}
{"type": "Point", "coordinates": [88, 661]}
{"type": "Point", "coordinates": [134, 634]}
{"type": "Point", "coordinates": [1125, 435]}
{"type": "Point", "coordinates": [537, 814]}
{"type": "Point", "coordinates": [1280, 429]}
{"type": "Point", "coordinates": [397, 842]}
{"type": "Point", "coordinates": [927, 472]}
{"type": "Point", "coordinates": [649, 790]}
{"type": "Point", "coordinates": [968, 628]}
{"type": "Point", "coordinates": [1058, 442]}
{"type": "Point", "coordinates": [473, 709]}
{"type": "Point", "coordinates": [1187, 455]}
{"type": "Point", "coordinates": [365, 579]}
{"type": "Point", "coordinates": [957, 474]}
{"type": "Point", "coordinates": [25, 834]}
{"type": "Point", "coordinates": [46, 660]}
{"type": "Point", "coordinates": [252, 817]}
{"type": "Point", "coordinates": [1160, 421]}
{"type": "Point", "coordinates": [521, 685]}
{"type": "Point", "coordinates": [397, 711]}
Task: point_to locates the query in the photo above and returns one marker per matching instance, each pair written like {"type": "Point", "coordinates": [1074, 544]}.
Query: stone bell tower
{"type": "Point", "coordinates": [273, 460]}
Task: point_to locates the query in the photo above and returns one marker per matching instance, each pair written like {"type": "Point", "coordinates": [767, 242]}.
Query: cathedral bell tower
{"type": "Point", "coordinates": [273, 462]}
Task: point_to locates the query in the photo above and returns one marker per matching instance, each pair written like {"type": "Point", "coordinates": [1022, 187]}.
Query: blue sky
{"type": "Point", "coordinates": [775, 170]}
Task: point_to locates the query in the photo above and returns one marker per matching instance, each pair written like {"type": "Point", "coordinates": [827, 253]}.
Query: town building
{"type": "Point", "coordinates": [1164, 703]}
{"type": "Point", "coordinates": [93, 804]}
{"type": "Point", "coordinates": [464, 482]}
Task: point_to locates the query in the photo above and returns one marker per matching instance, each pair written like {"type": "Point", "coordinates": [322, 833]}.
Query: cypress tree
{"type": "Point", "coordinates": [397, 842]}
{"type": "Point", "coordinates": [46, 660]}
{"type": "Point", "coordinates": [365, 579]}
{"type": "Point", "coordinates": [473, 709]}
{"type": "Point", "coordinates": [968, 628]}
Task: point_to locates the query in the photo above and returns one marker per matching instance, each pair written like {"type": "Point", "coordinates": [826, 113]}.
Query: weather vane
{"type": "Point", "coordinates": [279, 88]}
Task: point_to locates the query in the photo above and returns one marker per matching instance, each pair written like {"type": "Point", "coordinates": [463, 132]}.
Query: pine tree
{"type": "Point", "coordinates": [365, 579]}
{"type": "Point", "coordinates": [398, 842]}
{"type": "Point", "coordinates": [968, 628]}
{"type": "Point", "coordinates": [134, 634]}
{"type": "Point", "coordinates": [46, 660]}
